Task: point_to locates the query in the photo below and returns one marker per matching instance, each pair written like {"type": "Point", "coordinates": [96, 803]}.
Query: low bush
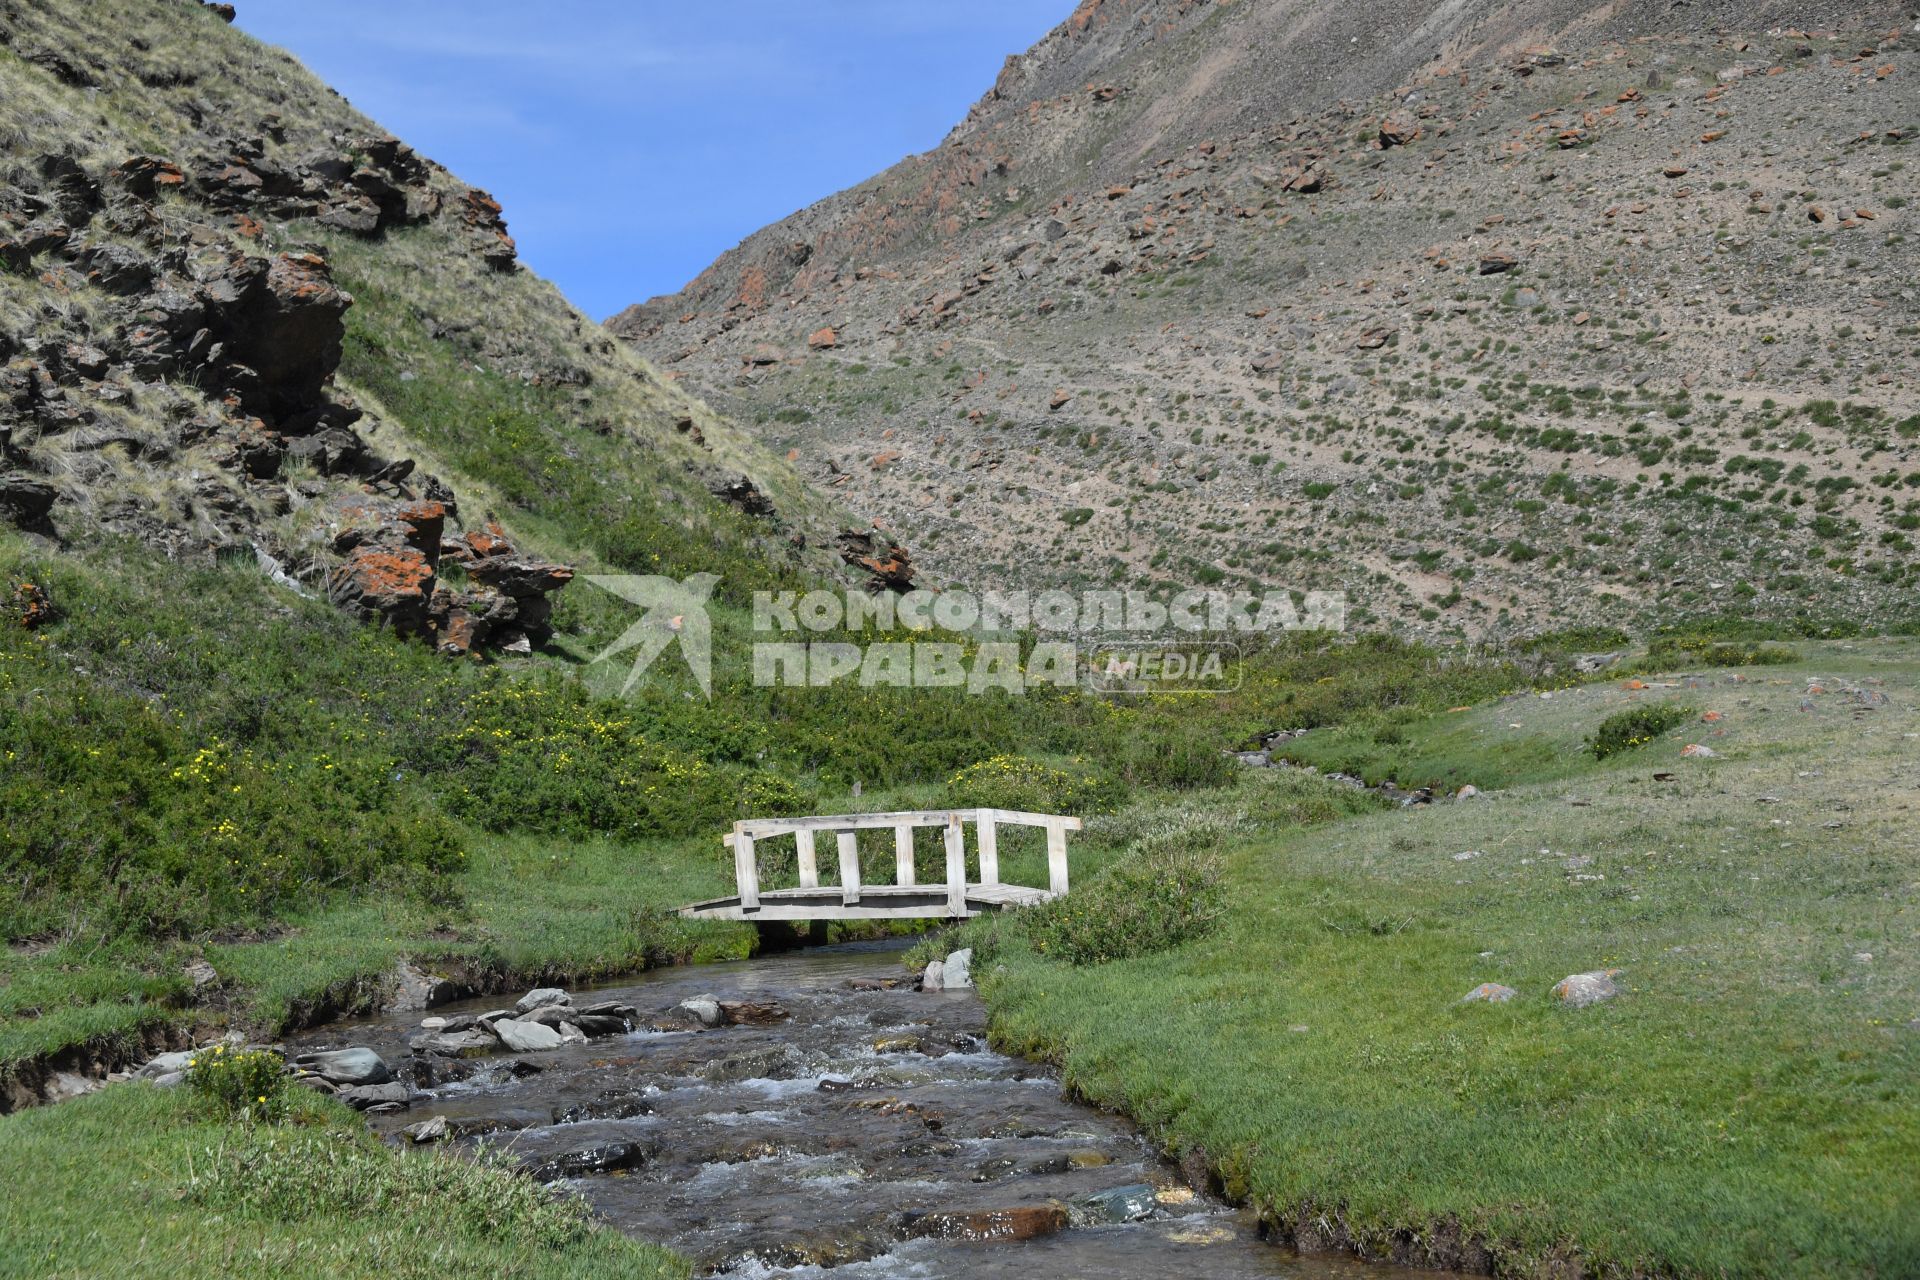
{"type": "Point", "coordinates": [1625, 730]}
{"type": "Point", "coordinates": [1185, 758]}
{"type": "Point", "coordinates": [246, 1084]}
{"type": "Point", "coordinates": [1020, 782]}
{"type": "Point", "coordinates": [1692, 649]}
{"type": "Point", "coordinates": [1162, 896]}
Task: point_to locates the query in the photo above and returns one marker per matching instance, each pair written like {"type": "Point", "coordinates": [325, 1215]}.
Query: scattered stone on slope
{"type": "Point", "coordinates": [1578, 990]}
{"type": "Point", "coordinates": [743, 494]}
{"type": "Point", "coordinates": [1398, 128]}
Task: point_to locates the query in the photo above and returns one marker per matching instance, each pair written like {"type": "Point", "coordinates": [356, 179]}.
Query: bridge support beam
{"type": "Point", "coordinates": [849, 867]}
{"type": "Point", "coordinates": [956, 867]}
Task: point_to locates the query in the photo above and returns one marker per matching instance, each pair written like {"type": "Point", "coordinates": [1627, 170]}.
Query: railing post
{"type": "Point", "coordinates": [903, 854]}
{"type": "Point", "coordinates": [809, 865]}
{"type": "Point", "coordinates": [956, 867]}
{"type": "Point", "coordinates": [1057, 857]}
{"type": "Point", "coordinates": [989, 849]}
{"type": "Point", "coordinates": [849, 867]}
{"type": "Point", "coordinates": [746, 874]}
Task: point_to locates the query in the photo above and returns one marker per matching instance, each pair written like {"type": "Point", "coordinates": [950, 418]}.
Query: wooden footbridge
{"type": "Point", "coordinates": [904, 899]}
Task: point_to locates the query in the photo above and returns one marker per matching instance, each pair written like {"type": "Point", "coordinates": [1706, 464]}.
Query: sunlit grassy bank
{"type": "Point", "coordinates": [145, 1182]}
{"type": "Point", "coordinates": [1748, 1105]}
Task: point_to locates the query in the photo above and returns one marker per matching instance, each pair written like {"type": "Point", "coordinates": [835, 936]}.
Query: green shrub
{"type": "Point", "coordinates": [248, 1084]}
{"type": "Point", "coordinates": [1162, 896]}
{"type": "Point", "coordinates": [1023, 783]}
{"type": "Point", "coordinates": [1176, 758]}
{"type": "Point", "coordinates": [1575, 640]}
{"type": "Point", "coordinates": [1696, 650]}
{"type": "Point", "coordinates": [1625, 730]}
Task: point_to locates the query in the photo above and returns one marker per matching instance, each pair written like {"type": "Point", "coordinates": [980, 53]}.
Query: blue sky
{"type": "Point", "coordinates": [632, 143]}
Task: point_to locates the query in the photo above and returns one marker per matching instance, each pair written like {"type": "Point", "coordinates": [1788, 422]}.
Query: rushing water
{"type": "Point", "coordinates": [814, 1146]}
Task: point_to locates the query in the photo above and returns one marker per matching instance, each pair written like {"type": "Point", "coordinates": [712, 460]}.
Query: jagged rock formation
{"type": "Point", "coordinates": [185, 219]}
{"type": "Point", "coordinates": [1488, 312]}
{"type": "Point", "coordinates": [185, 294]}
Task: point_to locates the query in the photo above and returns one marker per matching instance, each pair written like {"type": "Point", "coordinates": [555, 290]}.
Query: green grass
{"type": "Point", "coordinates": [140, 1182]}
{"type": "Point", "coordinates": [1747, 1106]}
{"type": "Point", "coordinates": [530, 911]}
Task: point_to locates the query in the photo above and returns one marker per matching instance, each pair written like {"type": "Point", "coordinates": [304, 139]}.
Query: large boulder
{"type": "Point", "coordinates": [293, 334]}
{"type": "Point", "coordinates": [957, 972]}
{"type": "Point", "coordinates": [393, 553]}
{"type": "Point", "coordinates": [526, 1037]}
{"type": "Point", "coordinates": [705, 1009]}
{"type": "Point", "coordinates": [275, 328]}
{"type": "Point", "coordinates": [1578, 990]}
{"type": "Point", "coordinates": [354, 1066]}
{"type": "Point", "coordinates": [415, 990]}
{"type": "Point", "coordinates": [26, 501]}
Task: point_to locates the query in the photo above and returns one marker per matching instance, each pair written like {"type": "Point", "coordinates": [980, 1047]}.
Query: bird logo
{"type": "Point", "coordinates": [675, 610]}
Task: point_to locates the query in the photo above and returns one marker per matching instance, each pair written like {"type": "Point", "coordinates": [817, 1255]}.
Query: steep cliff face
{"type": "Point", "coordinates": [1490, 312]}
{"type": "Point", "coordinates": [238, 320]}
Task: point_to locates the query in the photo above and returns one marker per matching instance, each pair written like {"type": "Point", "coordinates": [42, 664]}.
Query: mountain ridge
{"type": "Point", "coordinates": [1598, 270]}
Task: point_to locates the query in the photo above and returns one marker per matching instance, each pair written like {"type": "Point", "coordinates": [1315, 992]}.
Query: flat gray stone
{"type": "Point", "coordinates": [540, 997]}
{"type": "Point", "coordinates": [457, 1044]}
{"type": "Point", "coordinates": [426, 1131]}
{"type": "Point", "coordinates": [526, 1037]}
{"type": "Point", "coordinates": [956, 974]}
{"type": "Point", "coordinates": [365, 1097]}
{"type": "Point", "coordinates": [165, 1065]}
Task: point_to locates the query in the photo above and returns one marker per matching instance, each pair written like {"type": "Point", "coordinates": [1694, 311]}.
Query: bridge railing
{"type": "Point", "coordinates": [847, 826]}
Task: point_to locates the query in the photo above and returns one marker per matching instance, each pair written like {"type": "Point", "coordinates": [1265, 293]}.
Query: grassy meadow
{"type": "Point", "coordinates": [1748, 1105]}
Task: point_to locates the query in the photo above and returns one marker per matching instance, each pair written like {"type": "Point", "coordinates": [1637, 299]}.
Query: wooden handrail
{"type": "Point", "coordinates": [747, 833]}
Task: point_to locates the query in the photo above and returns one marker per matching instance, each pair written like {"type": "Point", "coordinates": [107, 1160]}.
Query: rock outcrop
{"type": "Point", "coordinates": [235, 345]}
{"type": "Point", "coordinates": [390, 573]}
{"type": "Point", "coordinates": [887, 563]}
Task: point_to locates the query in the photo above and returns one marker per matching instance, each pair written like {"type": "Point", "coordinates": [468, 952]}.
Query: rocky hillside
{"type": "Point", "coordinates": [241, 323]}
{"type": "Point", "coordinates": [1492, 313]}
